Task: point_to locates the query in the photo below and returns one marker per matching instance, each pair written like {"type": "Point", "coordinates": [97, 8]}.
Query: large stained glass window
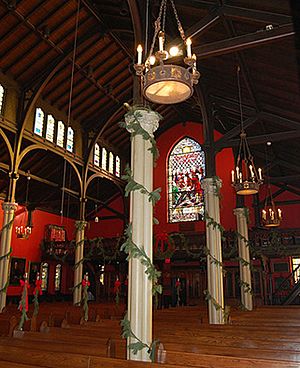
{"type": "Point", "coordinates": [50, 128]}
{"type": "Point", "coordinates": [186, 168]}
{"type": "Point", "coordinates": [60, 134]}
{"type": "Point", "coordinates": [97, 155]}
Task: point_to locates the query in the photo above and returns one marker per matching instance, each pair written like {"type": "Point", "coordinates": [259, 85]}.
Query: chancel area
{"type": "Point", "coordinates": [149, 183]}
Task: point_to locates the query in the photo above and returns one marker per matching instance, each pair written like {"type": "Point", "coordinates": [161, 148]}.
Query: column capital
{"type": "Point", "coordinates": [80, 224]}
{"type": "Point", "coordinates": [241, 212]}
{"type": "Point", "coordinates": [9, 206]}
{"type": "Point", "coordinates": [147, 118]}
{"type": "Point", "coordinates": [211, 184]}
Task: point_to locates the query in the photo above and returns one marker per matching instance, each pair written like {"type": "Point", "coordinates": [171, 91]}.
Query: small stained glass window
{"type": "Point", "coordinates": [39, 121]}
{"type": "Point", "coordinates": [70, 139]}
{"type": "Point", "coordinates": [60, 134]}
{"type": "Point", "coordinates": [186, 169]}
{"type": "Point", "coordinates": [44, 273]}
{"type": "Point", "coordinates": [104, 159]}
{"type": "Point", "coordinates": [1, 98]}
{"type": "Point", "coordinates": [111, 163]}
{"type": "Point", "coordinates": [97, 155]}
{"type": "Point", "coordinates": [57, 277]}
{"type": "Point", "coordinates": [118, 166]}
{"type": "Point", "coordinates": [50, 128]}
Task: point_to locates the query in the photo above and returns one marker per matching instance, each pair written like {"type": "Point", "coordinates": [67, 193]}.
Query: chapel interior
{"type": "Point", "coordinates": [149, 183]}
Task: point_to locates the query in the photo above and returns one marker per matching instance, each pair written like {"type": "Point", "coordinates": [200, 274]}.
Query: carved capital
{"type": "Point", "coordinates": [242, 212]}
{"type": "Point", "coordinates": [9, 207]}
{"type": "Point", "coordinates": [80, 225]}
{"type": "Point", "coordinates": [211, 185]}
{"type": "Point", "coordinates": [147, 119]}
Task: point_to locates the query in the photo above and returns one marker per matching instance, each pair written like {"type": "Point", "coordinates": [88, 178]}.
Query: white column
{"type": "Point", "coordinates": [213, 242]}
{"type": "Point", "coordinates": [141, 217]}
{"type": "Point", "coordinates": [79, 248]}
{"type": "Point", "coordinates": [9, 211]}
{"type": "Point", "coordinates": [245, 272]}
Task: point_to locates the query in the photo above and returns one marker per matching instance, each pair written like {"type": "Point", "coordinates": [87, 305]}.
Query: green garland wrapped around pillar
{"type": "Point", "coordinates": [84, 301]}
{"type": "Point", "coordinates": [23, 305]}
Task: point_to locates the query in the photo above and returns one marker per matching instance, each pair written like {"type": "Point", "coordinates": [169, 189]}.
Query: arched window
{"type": "Point", "coordinates": [111, 163]}
{"type": "Point", "coordinates": [70, 139]}
{"type": "Point", "coordinates": [118, 166]}
{"type": "Point", "coordinates": [97, 155]}
{"type": "Point", "coordinates": [186, 168]}
{"type": "Point", "coordinates": [57, 277]}
{"type": "Point", "coordinates": [104, 159]}
{"type": "Point", "coordinates": [50, 128]}
{"type": "Point", "coordinates": [39, 121]}
{"type": "Point", "coordinates": [60, 134]}
{"type": "Point", "coordinates": [1, 98]}
{"type": "Point", "coordinates": [44, 273]}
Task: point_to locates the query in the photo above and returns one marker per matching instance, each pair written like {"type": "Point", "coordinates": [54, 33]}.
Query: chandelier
{"type": "Point", "coordinates": [164, 83]}
{"type": "Point", "coordinates": [23, 232]}
{"type": "Point", "coordinates": [270, 215]}
{"type": "Point", "coordinates": [245, 178]}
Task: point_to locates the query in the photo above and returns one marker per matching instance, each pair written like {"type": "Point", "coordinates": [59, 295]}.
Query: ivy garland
{"type": "Point", "coordinates": [129, 247]}
{"type": "Point", "coordinates": [139, 344]}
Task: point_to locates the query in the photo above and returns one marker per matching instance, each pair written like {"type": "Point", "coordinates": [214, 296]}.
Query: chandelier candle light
{"type": "Point", "coordinates": [245, 178]}
{"type": "Point", "coordinates": [166, 83]}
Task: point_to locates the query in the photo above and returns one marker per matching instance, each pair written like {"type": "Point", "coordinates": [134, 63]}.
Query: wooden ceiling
{"type": "Point", "coordinates": [37, 39]}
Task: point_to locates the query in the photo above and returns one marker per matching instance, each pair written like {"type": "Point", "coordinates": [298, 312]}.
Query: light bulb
{"type": "Point", "coordinates": [152, 60]}
{"type": "Point", "coordinates": [174, 51]}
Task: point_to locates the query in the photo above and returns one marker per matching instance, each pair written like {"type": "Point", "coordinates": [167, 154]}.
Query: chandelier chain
{"type": "Point", "coordinates": [147, 26]}
{"type": "Point", "coordinates": [157, 27]}
{"type": "Point", "coordinates": [164, 17]}
{"type": "Point", "coordinates": [180, 28]}
{"type": "Point", "coordinates": [240, 97]}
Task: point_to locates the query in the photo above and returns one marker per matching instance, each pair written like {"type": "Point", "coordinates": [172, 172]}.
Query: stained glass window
{"type": "Point", "coordinates": [97, 155]}
{"type": "Point", "coordinates": [104, 159]}
{"type": "Point", "coordinates": [39, 121]}
{"type": "Point", "coordinates": [70, 139]}
{"type": "Point", "coordinates": [118, 166]}
{"type": "Point", "coordinates": [186, 168]}
{"type": "Point", "coordinates": [57, 277]}
{"type": "Point", "coordinates": [1, 97]}
{"type": "Point", "coordinates": [60, 134]}
{"type": "Point", "coordinates": [111, 163]}
{"type": "Point", "coordinates": [50, 128]}
{"type": "Point", "coordinates": [44, 272]}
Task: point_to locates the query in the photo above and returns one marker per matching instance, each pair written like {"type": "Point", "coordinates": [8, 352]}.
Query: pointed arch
{"type": "Point", "coordinates": [185, 170]}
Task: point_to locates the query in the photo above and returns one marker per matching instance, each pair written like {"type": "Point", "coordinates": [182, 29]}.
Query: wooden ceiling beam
{"type": "Point", "coordinates": [244, 42]}
{"type": "Point", "coordinates": [224, 141]}
{"type": "Point", "coordinates": [285, 179]}
{"type": "Point", "coordinates": [261, 139]}
{"type": "Point", "coordinates": [254, 15]}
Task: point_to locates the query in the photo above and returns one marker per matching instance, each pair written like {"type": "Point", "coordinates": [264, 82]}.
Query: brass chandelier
{"type": "Point", "coordinates": [245, 178]}
{"type": "Point", "coordinates": [270, 215]}
{"type": "Point", "coordinates": [164, 83]}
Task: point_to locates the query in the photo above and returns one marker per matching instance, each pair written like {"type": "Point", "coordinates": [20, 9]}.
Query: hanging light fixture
{"type": "Point", "coordinates": [245, 178]}
{"type": "Point", "coordinates": [166, 83]}
{"type": "Point", "coordinates": [270, 215]}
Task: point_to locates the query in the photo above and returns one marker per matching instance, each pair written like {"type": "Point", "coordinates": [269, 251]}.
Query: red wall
{"type": "Point", "coordinates": [30, 248]}
{"type": "Point", "coordinates": [224, 165]}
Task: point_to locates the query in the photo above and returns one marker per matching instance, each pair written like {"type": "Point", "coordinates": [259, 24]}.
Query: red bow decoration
{"type": "Point", "coordinates": [25, 286]}
{"type": "Point", "coordinates": [117, 286]}
{"type": "Point", "coordinates": [178, 284]}
{"type": "Point", "coordinates": [162, 243]}
{"type": "Point", "coordinates": [38, 287]}
{"type": "Point", "coordinates": [85, 283]}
